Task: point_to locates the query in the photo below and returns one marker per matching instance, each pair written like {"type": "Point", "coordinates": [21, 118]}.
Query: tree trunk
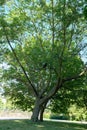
{"type": "Point", "coordinates": [42, 110]}
{"type": "Point", "coordinates": [40, 103]}
{"type": "Point", "coordinates": [36, 110]}
{"type": "Point", "coordinates": [41, 114]}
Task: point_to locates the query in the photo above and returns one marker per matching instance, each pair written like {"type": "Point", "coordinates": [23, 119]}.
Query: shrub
{"type": "Point", "coordinates": [59, 116]}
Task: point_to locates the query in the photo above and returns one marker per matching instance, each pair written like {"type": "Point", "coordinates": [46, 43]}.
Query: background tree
{"type": "Point", "coordinates": [41, 41]}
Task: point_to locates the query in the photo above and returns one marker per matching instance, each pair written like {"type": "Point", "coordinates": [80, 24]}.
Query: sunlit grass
{"type": "Point", "coordinates": [46, 125]}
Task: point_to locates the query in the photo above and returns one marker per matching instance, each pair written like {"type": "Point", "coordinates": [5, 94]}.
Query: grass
{"type": "Point", "coordinates": [46, 125]}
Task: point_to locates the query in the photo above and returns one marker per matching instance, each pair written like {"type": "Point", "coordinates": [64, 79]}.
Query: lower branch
{"type": "Point", "coordinates": [23, 69]}
{"type": "Point", "coordinates": [76, 76]}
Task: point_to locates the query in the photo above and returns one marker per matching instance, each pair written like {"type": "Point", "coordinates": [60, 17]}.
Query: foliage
{"type": "Point", "coordinates": [1, 104]}
{"type": "Point", "coordinates": [85, 9]}
{"type": "Point", "coordinates": [6, 104]}
{"type": "Point", "coordinates": [57, 116]}
{"type": "Point", "coordinates": [73, 103]}
{"type": "Point", "coordinates": [77, 113]}
{"type": "Point", "coordinates": [74, 94]}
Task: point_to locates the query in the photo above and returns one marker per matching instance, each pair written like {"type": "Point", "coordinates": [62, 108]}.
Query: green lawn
{"type": "Point", "coordinates": [46, 125]}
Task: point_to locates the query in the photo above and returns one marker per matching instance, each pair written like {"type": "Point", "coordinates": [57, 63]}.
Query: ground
{"type": "Point", "coordinates": [46, 125]}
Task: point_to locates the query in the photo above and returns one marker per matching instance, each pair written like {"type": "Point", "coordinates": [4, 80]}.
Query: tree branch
{"type": "Point", "coordinates": [45, 86]}
{"type": "Point", "coordinates": [76, 76]}
{"type": "Point", "coordinates": [23, 69]}
{"type": "Point", "coordinates": [59, 85]}
{"type": "Point", "coordinates": [53, 23]}
{"type": "Point", "coordinates": [52, 91]}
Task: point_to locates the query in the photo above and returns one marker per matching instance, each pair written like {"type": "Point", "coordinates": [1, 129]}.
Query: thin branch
{"type": "Point", "coordinates": [45, 86]}
{"type": "Point", "coordinates": [71, 33]}
{"type": "Point", "coordinates": [53, 22]}
{"type": "Point", "coordinates": [64, 39]}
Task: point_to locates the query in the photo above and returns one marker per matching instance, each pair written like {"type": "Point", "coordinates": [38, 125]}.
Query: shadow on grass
{"type": "Point", "coordinates": [46, 125]}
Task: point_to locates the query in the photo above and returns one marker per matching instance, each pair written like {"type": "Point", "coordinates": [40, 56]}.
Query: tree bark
{"type": "Point", "coordinates": [36, 110]}
{"type": "Point", "coordinates": [42, 109]}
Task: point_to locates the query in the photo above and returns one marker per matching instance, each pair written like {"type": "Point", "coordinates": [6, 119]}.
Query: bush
{"type": "Point", "coordinates": [76, 113]}
{"type": "Point", "coordinates": [59, 117]}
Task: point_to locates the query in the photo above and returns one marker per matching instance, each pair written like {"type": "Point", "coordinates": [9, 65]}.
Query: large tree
{"type": "Point", "coordinates": [42, 41]}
